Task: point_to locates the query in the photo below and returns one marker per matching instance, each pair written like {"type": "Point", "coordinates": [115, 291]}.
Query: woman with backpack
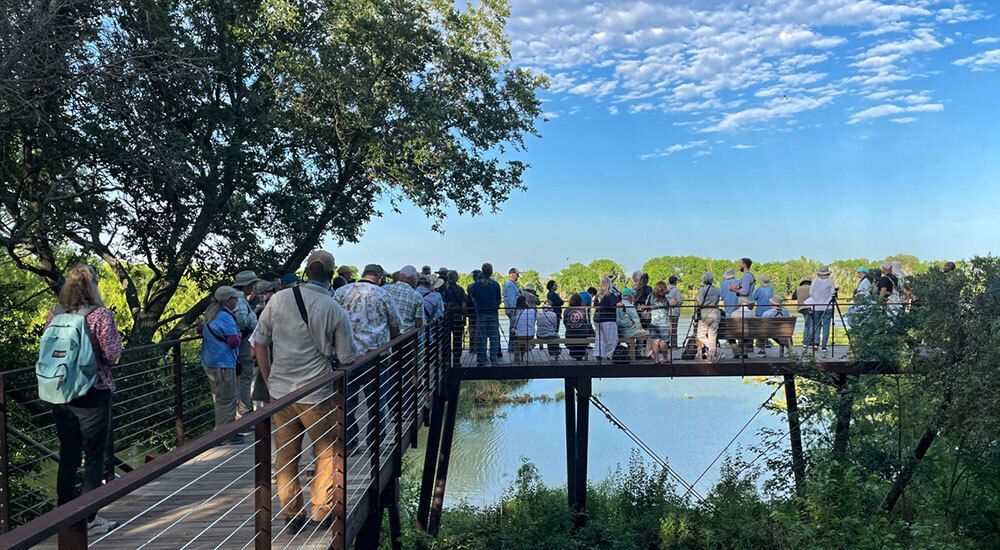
{"type": "Point", "coordinates": [83, 422]}
{"type": "Point", "coordinates": [220, 344]}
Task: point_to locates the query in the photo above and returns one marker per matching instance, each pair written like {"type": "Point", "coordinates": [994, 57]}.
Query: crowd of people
{"type": "Point", "coordinates": [264, 337]}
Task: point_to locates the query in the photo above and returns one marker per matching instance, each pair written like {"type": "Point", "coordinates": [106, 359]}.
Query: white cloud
{"type": "Point", "coordinates": [801, 79]}
{"type": "Point", "coordinates": [904, 120]}
{"type": "Point", "coordinates": [987, 40]}
{"type": "Point", "coordinates": [742, 146]}
{"type": "Point", "coordinates": [675, 148]}
{"type": "Point", "coordinates": [982, 62]}
{"type": "Point", "coordinates": [550, 115]}
{"type": "Point", "coordinates": [959, 13]}
{"type": "Point", "coordinates": [775, 108]}
{"type": "Point", "coordinates": [613, 110]}
{"type": "Point", "coordinates": [889, 109]}
{"type": "Point", "coordinates": [706, 57]}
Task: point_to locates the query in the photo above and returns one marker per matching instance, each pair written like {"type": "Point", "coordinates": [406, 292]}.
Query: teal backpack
{"type": "Point", "coordinates": [67, 365]}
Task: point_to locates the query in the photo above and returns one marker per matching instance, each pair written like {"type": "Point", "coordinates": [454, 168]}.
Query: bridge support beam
{"type": "Point", "coordinates": [580, 449]}
{"type": "Point", "coordinates": [795, 434]}
{"type": "Point", "coordinates": [570, 401]}
{"type": "Point", "coordinates": [444, 456]}
{"type": "Point", "coordinates": [845, 409]}
{"type": "Point", "coordinates": [430, 464]}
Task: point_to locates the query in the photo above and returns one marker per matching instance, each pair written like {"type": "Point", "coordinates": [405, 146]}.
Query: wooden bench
{"type": "Point", "coordinates": [780, 329]}
{"type": "Point", "coordinates": [632, 343]}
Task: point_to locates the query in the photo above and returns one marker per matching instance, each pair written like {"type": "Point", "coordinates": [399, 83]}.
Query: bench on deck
{"type": "Point", "coordinates": [633, 343]}
{"type": "Point", "coordinates": [779, 329]}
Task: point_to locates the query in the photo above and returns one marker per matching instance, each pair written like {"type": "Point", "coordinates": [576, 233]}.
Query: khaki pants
{"type": "Point", "coordinates": [289, 426]}
{"type": "Point", "coordinates": [708, 329]}
{"type": "Point", "coordinates": [223, 385]}
{"type": "Point", "coordinates": [244, 382]}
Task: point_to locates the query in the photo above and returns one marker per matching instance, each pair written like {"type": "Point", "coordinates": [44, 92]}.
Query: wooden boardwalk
{"type": "Point", "coordinates": [208, 503]}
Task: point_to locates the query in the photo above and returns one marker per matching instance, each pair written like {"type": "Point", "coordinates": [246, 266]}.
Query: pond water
{"type": "Point", "coordinates": [686, 421]}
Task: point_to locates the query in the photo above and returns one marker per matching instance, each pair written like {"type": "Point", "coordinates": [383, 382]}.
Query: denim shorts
{"type": "Point", "coordinates": [657, 333]}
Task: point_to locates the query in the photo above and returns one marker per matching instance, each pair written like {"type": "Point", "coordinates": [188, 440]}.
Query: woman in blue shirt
{"type": "Point", "coordinates": [220, 345]}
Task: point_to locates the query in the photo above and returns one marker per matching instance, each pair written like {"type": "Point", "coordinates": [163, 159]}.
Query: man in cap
{"type": "Point", "coordinates": [345, 276]}
{"type": "Point", "coordinates": [294, 348]}
{"type": "Point", "coordinates": [426, 270]}
{"type": "Point", "coordinates": [485, 294]}
{"type": "Point", "coordinates": [246, 321]}
{"type": "Point", "coordinates": [433, 303]}
{"type": "Point", "coordinates": [374, 321]}
{"type": "Point", "coordinates": [761, 298]}
{"type": "Point", "coordinates": [730, 299]}
{"type": "Point", "coordinates": [409, 302]}
{"type": "Point", "coordinates": [511, 292]}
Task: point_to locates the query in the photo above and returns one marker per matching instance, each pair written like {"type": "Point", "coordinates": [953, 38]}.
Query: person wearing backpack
{"type": "Point", "coordinates": [79, 344]}
{"type": "Point", "coordinates": [220, 347]}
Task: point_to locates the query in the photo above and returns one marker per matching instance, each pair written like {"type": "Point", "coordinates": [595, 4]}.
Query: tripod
{"type": "Point", "coordinates": [835, 303]}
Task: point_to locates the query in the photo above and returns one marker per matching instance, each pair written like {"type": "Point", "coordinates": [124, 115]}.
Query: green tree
{"type": "Point", "coordinates": [201, 138]}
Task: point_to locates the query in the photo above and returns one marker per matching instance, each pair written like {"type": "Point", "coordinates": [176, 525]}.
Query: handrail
{"type": "Point", "coordinates": [79, 508]}
{"type": "Point", "coordinates": [145, 347]}
{"type": "Point", "coordinates": [72, 514]}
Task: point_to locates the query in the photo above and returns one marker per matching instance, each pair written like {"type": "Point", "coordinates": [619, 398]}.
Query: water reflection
{"type": "Point", "coordinates": [686, 421]}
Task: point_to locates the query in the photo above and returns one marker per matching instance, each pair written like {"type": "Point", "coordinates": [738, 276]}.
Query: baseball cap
{"type": "Point", "coordinates": [513, 270]}
{"type": "Point", "coordinates": [324, 258]}
{"type": "Point", "coordinates": [224, 293]}
{"type": "Point", "coordinates": [289, 279]}
{"type": "Point", "coordinates": [374, 269]}
{"type": "Point", "coordinates": [408, 271]}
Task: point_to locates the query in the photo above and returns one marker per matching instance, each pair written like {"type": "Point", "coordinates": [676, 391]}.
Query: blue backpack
{"type": "Point", "coordinates": [67, 364]}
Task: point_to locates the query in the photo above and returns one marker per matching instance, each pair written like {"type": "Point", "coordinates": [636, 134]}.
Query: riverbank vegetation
{"type": "Point", "coordinates": [908, 459]}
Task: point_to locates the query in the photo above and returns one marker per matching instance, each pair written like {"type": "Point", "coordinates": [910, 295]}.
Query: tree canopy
{"type": "Point", "coordinates": [201, 137]}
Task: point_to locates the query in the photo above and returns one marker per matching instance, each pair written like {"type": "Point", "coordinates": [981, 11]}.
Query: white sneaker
{"type": "Point", "coordinates": [100, 526]}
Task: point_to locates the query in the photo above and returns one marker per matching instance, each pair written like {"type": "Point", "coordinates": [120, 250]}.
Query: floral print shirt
{"type": "Point", "coordinates": [371, 311]}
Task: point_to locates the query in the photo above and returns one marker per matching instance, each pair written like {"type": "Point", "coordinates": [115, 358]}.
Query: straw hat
{"type": "Point", "coordinates": [824, 271]}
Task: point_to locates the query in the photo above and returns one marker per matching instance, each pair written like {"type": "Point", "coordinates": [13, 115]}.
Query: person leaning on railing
{"type": "Point", "coordinates": [83, 425]}
{"type": "Point", "coordinates": [302, 343]}
{"type": "Point", "coordinates": [220, 345]}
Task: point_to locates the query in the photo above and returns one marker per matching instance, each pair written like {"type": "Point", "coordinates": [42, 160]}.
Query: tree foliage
{"type": "Point", "coordinates": [200, 137]}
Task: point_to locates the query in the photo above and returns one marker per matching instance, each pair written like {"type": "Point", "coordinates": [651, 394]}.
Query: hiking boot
{"type": "Point", "coordinates": [321, 524]}
{"type": "Point", "coordinates": [100, 526]}
{"type": "Point", "coordinates": [294, 525]}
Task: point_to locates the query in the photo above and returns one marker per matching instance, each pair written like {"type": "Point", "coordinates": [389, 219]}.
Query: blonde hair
{"type": "Point", "coordinates": [79, 289]}
{"type": "Point", "coordinates": [604, 290]}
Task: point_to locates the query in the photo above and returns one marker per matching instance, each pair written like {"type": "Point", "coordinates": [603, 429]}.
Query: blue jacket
{"type": "Point", "coordinates": [216, 351]}
{"type": "Point", "coordinates": [729, 297]}
{"type": "Point", "coordinates": [762, 297]}
{"type": "Point", "coordinates": [485, 293]}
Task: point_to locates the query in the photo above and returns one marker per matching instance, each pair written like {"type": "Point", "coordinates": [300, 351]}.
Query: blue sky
{"type": "Point", "coordinates": [773, 129]}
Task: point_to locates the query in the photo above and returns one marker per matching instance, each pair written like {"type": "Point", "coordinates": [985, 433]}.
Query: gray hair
{"type": "Point", "coordinates": [708, 278]}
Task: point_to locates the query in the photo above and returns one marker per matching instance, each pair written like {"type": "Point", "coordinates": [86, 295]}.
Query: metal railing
{"type": "Point", "coordinates": [521, 343]}
{"type": "Point", "coordinates": [206, 493]}
{"type": "Point", "coordinates": [158, 403]}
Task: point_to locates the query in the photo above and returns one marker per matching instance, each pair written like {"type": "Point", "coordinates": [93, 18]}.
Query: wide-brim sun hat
{"type": "Point", "coordinates": [436, 282]}
{"type": "Point", "coordinates": [244, 278]}
{"type": "Point", "coordinates": [824, 271]}
{"type": "Point", "coordinates": [729, 273]}
{"type": "Point", "coordinates": [777, 300]}
{"type": "Point", "coordinates": [766, 279]}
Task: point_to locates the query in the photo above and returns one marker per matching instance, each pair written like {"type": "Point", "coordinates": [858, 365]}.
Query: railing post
{"type": "Point", "coordinates": [397, 409]}
{"type": "Point", "coordinates": [178, 396]}
{"type": "Point", "coordinates": [262, 484]}
{"type": "Point", "coordinates": [74, 536]}
{"type": "Point", "coordinates": [339, 529]}
{"type": "Point", "coordinates": [4, 460]}
{"type": "Point", "coordinates": [375, 420]}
